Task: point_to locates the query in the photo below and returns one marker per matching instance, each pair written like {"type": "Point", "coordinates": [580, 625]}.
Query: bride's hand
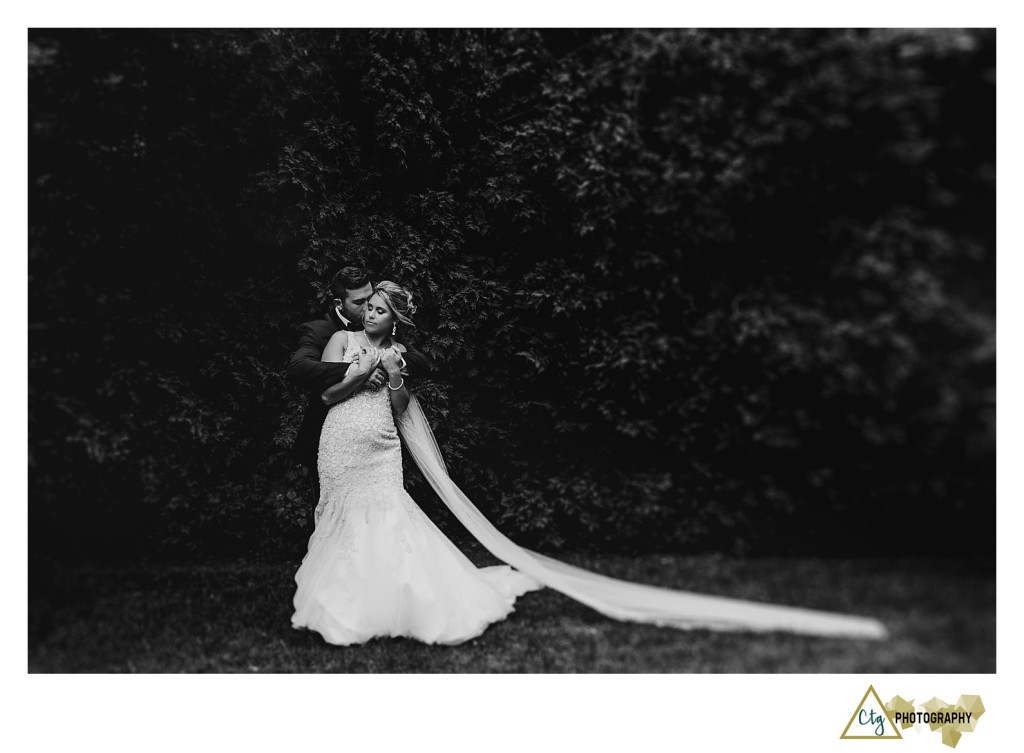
{"type": "Point", "coordinates": [365, 361]}
{"type": "Point", "coordinates": [391, 360]}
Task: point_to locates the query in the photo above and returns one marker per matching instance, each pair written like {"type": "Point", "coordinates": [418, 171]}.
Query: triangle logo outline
{"type": "Point", "coordinates": [888, 718]}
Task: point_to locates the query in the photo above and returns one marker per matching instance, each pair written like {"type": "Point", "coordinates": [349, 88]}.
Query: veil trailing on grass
{"type": "Point", "coordinates": [622, 600]}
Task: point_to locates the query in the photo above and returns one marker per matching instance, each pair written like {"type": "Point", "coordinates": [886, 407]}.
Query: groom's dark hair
{"type": "Point", "coordinates": [349, 278]}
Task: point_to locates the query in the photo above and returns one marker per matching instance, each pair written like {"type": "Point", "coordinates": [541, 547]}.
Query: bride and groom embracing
{"type": "Point", "coordinates": [376, 566]}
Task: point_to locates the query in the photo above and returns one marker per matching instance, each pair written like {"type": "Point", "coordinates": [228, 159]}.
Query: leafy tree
{"type": "Point", "coordinates": [727, 289]}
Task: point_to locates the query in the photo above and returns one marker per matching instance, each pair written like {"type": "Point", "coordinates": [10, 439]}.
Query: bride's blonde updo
{"type": "Point", "coordinates": [399, 300]}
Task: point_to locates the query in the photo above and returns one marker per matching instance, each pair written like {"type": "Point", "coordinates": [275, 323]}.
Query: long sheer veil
{"type": "Point", "coordinates": [622, 600]}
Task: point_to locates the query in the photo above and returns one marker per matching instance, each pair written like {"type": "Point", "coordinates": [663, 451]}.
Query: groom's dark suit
{"type": "Point", "coordinates": [314, 376]}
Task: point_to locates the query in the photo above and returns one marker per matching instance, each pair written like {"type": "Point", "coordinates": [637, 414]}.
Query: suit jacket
{"type": "Point", "coordinates": [314, 376]}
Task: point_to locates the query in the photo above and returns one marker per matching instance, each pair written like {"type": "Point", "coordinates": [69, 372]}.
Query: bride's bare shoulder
{"type": "Point", "coordinates": [335, 348]}
{"type": "Point", "coordinates": [341, 336]}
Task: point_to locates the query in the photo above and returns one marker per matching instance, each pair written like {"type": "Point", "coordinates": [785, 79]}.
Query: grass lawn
{"type": "Point", "coordinates": [235, 617]}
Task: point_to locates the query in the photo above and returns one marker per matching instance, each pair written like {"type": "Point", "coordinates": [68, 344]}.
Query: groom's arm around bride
{"type": "Point", "coordinates": [352, 288]}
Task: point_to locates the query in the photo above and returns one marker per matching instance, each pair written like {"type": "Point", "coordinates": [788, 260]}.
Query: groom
{"type": "Point", "coordinates": [352, 289]}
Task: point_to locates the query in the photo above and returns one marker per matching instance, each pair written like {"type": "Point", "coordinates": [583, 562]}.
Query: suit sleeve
{"type": "Point", "coordinates": [417, 364]}
{"type": "Point", "coordinates": [306, 369]}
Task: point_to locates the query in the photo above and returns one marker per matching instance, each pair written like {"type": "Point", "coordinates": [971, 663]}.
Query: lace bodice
{"type": "Point", "coordinates": [359, 445]}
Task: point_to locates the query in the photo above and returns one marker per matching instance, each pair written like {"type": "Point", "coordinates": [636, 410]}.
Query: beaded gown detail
{"type": "Point", "coordinates": [375, 564]}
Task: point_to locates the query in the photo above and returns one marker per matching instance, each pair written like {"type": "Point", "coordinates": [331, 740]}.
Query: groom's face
{"type": "Point", "coordinates": [354, 304]}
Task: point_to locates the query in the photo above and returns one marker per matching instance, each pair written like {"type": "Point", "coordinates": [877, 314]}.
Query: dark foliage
{"type": "Point", "coordinates": [684, 289]}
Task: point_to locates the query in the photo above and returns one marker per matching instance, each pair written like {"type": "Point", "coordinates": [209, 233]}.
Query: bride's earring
{"type": "Point", "coordinates": [394, 329]}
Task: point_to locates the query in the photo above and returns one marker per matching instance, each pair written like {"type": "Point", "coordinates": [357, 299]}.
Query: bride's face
{"type": "Point", "coordinates": [377, 316]}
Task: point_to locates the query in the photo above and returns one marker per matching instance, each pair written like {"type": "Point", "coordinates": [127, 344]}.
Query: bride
{"type": "Point", "coordinates": [377, 566]}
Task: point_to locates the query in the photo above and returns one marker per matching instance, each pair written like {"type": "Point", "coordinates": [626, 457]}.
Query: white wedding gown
{"type": "Point", "coordinates": [377, 566]}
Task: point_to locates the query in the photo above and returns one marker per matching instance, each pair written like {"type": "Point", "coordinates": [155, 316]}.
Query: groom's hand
{"type": "Point", "coordinates": [377, 378]}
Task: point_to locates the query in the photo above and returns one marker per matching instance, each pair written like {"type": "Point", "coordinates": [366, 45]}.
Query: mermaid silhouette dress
{"type": "Point", "coordinates": [375, 564]}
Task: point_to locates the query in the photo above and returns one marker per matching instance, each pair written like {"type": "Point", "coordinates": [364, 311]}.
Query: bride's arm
{"type": "Point", "coordinates": [391, 361]}
{"type": "Point", "coordinates": [356, 375]}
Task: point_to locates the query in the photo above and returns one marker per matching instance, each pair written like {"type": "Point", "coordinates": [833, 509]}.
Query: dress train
{"type": "Point", "coordinates": [616, 598]}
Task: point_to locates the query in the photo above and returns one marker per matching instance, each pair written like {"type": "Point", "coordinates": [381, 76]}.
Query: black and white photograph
{"type": "Point", "coordinates": [511, 350]}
